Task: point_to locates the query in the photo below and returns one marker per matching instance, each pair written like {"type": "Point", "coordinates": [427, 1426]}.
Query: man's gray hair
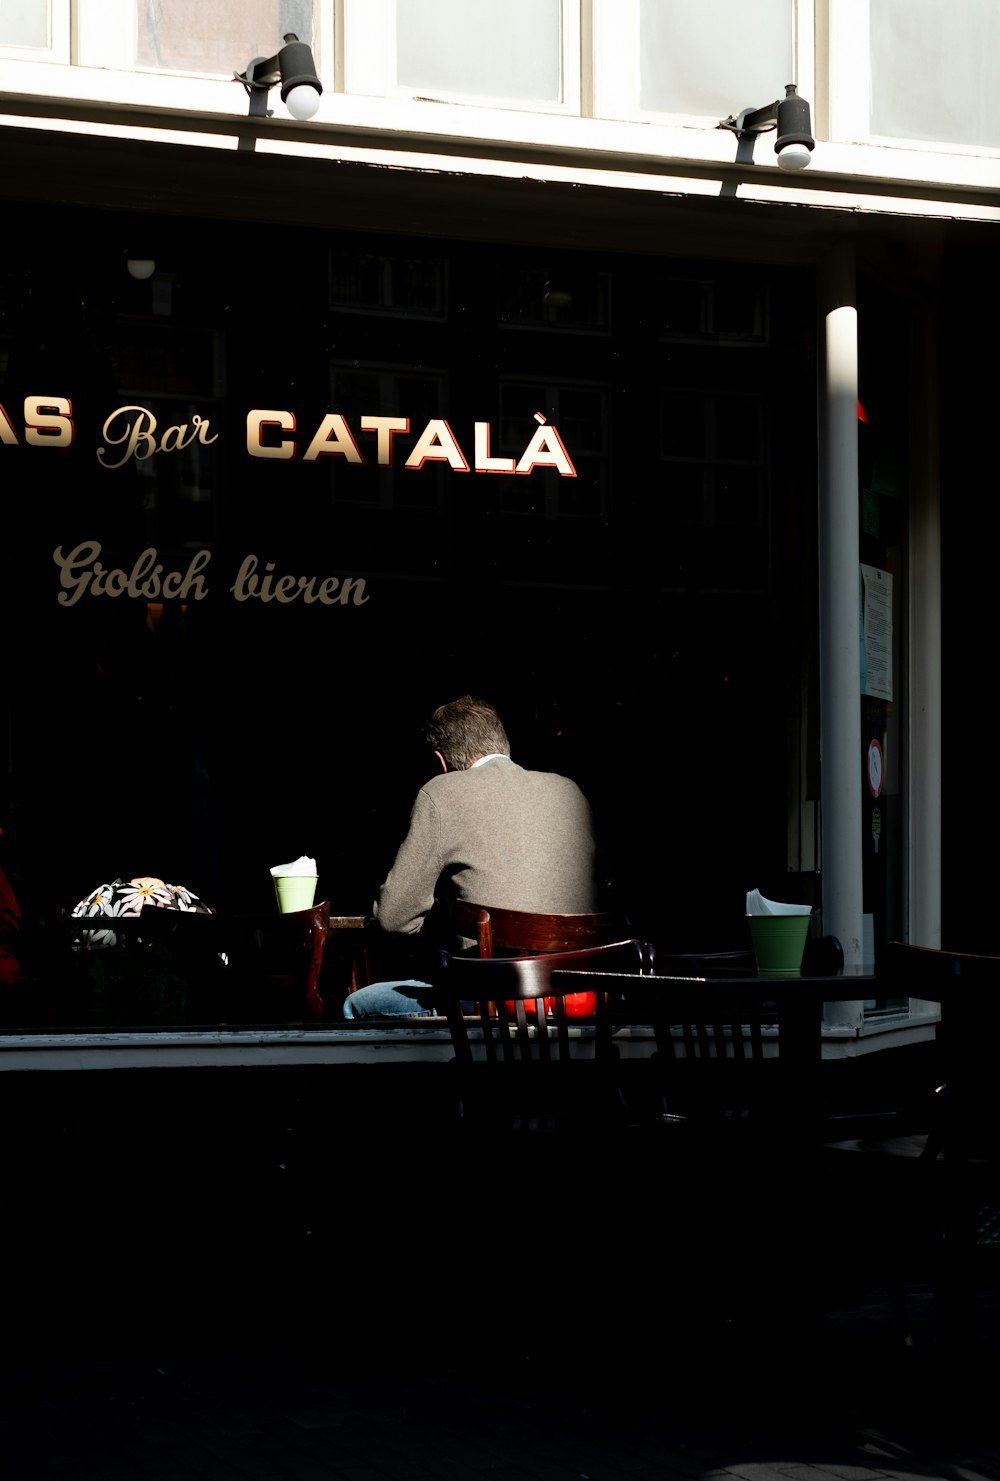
{"type": "Point", "coordinates": [464, 730]}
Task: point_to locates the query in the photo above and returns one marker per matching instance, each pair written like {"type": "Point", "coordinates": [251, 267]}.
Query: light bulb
{"type": "Point", "coordinates": [303, 101]}
{"type": "Point", "coordinates": [141, 267]}
{"type": "Point", "coordinates": [794, 157]}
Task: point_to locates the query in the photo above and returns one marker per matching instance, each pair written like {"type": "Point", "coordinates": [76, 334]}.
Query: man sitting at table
{"type": "Point", "coordinates": [485, 830]}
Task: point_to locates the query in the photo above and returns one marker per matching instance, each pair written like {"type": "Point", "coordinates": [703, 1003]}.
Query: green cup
{"type": "Point", "coordinates": [295, 891]}
{"type": "Point", "coordinates": [779, 942]}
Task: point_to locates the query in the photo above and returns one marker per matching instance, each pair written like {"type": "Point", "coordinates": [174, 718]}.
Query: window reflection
{"type": "Point", "coordinates": [388, 391]}
{"type": "Point", "coordinates": [554, 296]}
{"type": "Point", "coordinates": [373, 282]}
{"type": "Point", "coordinates": [724, 311]}
{"type": "Point", "coordinates": [580, 413]}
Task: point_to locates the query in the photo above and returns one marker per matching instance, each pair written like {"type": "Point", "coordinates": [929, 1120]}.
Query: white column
{"type": "Point", "coordinates": [923, 812]}
{"type": "Point", "coordinates": [840, 662]}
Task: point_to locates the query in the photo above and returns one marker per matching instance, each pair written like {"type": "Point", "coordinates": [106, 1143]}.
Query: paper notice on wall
{"type": "Point", "coordinates": [876, 632]}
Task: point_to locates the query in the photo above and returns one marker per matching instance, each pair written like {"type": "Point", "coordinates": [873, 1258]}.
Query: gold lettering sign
{"type": "Point", "coordinates": [83, 573]}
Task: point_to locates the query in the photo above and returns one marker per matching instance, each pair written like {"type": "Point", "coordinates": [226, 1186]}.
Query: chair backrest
{"type": "Point", "coordinates": [532, 931]}
{"type": "Point", "coordinates": [275, 964]}
{"type": "Point", "coordinates": [512, 1002]}
{"type": "Point", "coordinates": [525, 1060]}
{"type": "Point", "coordinates": [303, 935]}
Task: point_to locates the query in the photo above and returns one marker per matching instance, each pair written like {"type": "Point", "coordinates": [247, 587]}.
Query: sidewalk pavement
{"type": "Point", "coordinates": [847, 1403]}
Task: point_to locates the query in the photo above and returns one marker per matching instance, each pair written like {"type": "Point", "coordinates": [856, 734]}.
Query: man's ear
{"type": "Point", "coordinates": [444, 764]}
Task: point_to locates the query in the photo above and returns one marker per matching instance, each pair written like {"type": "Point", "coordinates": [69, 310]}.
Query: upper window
{"type": "Point", "coordinates": [522, 52]}
{"type": "Point", "coordinates": [186, 35]}
{"type": "Point", "coordinates": [952, 50]}
{"type": "Point", "coordinates": [35, 29]}
{"type": "Point", "coordinates": [697, 61]}
{"type": "Point", "coordinates": [914, 72]}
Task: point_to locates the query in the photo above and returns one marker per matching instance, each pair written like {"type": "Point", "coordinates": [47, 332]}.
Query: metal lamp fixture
{"type": "Point", "coordinates": [790, 116]}
{"type": "Point", "coordinates": [295, 69]}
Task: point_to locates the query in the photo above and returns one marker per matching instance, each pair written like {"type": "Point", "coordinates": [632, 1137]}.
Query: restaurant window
{"type": "Point", "coordinates": [522, 53]}
{"type": "Point", "coordinates": [705, 61]}
{"type": "Point", "coordinates": [580, 412]}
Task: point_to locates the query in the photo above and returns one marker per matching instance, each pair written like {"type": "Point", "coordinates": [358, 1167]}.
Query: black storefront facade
{"type": "Point", "coordinates": [227, 613]}
{"type": "Point", "coordinates": [369, 438]}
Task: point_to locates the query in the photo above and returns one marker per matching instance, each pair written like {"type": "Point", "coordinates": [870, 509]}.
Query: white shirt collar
{"type": "Point", "coordinates": [493, 756]}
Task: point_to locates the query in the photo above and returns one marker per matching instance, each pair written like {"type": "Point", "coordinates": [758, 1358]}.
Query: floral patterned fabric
{"type": "Point", "coordinates": [128, 898]}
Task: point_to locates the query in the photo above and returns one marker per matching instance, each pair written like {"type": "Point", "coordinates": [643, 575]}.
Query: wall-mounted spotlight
{"type": "Point", "coordinates": [790, 116]}
{"type": "Point", "coordinates": [295, 69]}
{"type": "Point", "coordinates": [140, 267]}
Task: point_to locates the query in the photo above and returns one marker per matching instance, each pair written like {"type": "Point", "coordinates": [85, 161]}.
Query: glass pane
{"type": "Point", "coordinates": [682, 427]}
{"type": "Point", "coordinates": [399, 285]}
{"type": "Point", "coordinates": [218, 39]}
{"type": "Point", "coordinates": [363, 391]}
{"type": "Point", "coordinates": [685, 68]}
{"type": "Point", "coordinates": [932, 71]}
{"type": "Point", "coordinates": [492, 49]}
{"type": "Point", "coordinates": [24, 23]}
{"type": "Point", "coordinates": [684, 494]}
{"type": "Point", "coordinates": [738, 427]}
{"type": "Point", "coordinates": [733, 312]}
{"type": "Point", "coordinates": [540, 296]}
{"type": "Point", "coordinates": [736, 496]}
{"type": "Point", "coordinates": [580, 412]}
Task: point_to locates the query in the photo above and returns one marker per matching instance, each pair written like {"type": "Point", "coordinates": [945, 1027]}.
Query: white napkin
{"type": "Point", "coordinates": [302, 865]}
{"type": "Point", "coordinates": [757, 905]}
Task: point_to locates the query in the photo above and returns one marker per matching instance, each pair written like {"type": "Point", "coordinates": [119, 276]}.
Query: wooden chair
{"type": "Point", "coordinates": [213, 968]}
{"type": "Point", "coordinates": [524, 1060]}
{"type": "Point", "coordinates": [727, 1051]}
{"type": "Point", "coordinates": [294, 960]}
{"type": "Point", "coordinates": [729, 1123]}
{"type": "Point", "coordinates": [531, 932]}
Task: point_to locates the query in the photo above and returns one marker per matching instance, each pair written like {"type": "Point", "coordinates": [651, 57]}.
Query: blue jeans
{"type": "Point", "coordinates": [385, 999]}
